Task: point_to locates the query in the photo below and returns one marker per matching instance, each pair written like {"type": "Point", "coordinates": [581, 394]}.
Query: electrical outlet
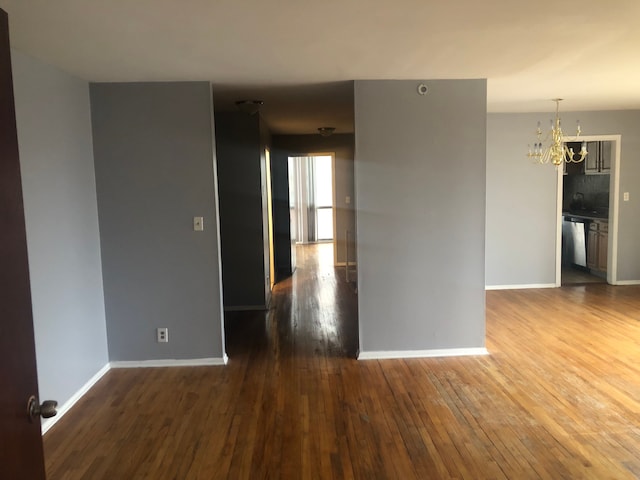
{"type": "Point", "coordinates": [198, 224]}
{"type": "Point", "coordinates": [625, 196]}
{"type": "Point", "coordinates": [162, 335]}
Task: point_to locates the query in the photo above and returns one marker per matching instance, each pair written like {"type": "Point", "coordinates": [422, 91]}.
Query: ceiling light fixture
{"type": "Point", "coordinates": [555, 151]}
{"type": "Point", "coordinates": [326, 131]}
{"type": "Point", "coordinates": [250, 107]}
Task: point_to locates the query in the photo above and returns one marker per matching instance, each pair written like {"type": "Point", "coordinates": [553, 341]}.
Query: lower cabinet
{"type": "Point", "coordinates": [597, 245]}
{"type": "Point", "coordinates": [592, 249]}
{"type": "Point", "coordinates": [603, 250]}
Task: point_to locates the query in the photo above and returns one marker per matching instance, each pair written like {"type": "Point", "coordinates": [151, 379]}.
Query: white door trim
{"type": "Point", "coordinates": [614, 206]}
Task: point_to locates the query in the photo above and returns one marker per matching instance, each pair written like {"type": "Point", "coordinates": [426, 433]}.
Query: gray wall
{"type": "Point", "coordinates": [240, 158]}
{"type": "Point", "coordinates": [298, 145]}
{"type": "Point", "coordinates": [56, 157]}
{"type": "Point", "coordinates": [420, 190]}
{"type": "Point", "coordinates": [284, 244]}
{"type": "Point", "coordinates": [155, 171]}
{"type": "Point", "coordinates": [521, 196]}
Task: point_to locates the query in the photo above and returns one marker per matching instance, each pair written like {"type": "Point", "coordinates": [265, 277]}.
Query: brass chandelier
{"type": "Point", "coordinates": [554, 149]}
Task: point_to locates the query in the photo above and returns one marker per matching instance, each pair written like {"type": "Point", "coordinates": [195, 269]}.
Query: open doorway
{"type": "Point", "coordinates": [312, 193]}
{"type": "Point", "coordinates": [587, 216]}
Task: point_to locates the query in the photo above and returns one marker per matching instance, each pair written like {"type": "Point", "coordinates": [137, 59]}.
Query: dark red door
{"type": "Point", "coordinates": [21, 453]}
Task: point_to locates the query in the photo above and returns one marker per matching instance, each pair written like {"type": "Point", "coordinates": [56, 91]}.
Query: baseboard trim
{"type": "Point", "coordinates": [50, 422]}
{"type": "Point", "coordinates": [188, 362]}
{"type": "Point", "coordinates": [628, 282]}
{"type": "Point", "coordinates": [520, 286]}
{"type": "Point", "coordinates": [444, 352]}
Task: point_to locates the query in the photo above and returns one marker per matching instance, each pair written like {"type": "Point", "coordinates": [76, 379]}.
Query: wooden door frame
{"type": "Point", "coordinates": [272, 267]}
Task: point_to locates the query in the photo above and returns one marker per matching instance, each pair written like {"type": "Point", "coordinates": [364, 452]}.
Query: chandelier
{"type": "Point", "coordinates": [554, 149]}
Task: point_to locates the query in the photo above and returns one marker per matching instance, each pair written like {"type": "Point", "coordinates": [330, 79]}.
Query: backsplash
{"type": "Point", "coordinates": [595, 189]}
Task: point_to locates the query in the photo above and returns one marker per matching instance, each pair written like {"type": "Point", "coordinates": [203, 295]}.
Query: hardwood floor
{"type": "Point", "coordinates": [575, 276]}
{"type": "Point", "coordinates": [559, 397]}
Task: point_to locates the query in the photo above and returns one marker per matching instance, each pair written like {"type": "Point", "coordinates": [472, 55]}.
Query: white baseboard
{"type": "Point", "coordinates": [628, 282]}
{"type": "Point", "coordinates": [520, 286]}
{"type": "Point", "coordinates": [188, 362]}
{"type": "Point", "coordinates": [444, 352]}
{"type": "Point", "coordinates": [50, 422]}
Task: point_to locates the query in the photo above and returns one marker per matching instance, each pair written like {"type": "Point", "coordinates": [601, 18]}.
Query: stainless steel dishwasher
{"type": "Point", "coordinates": [574, 241]}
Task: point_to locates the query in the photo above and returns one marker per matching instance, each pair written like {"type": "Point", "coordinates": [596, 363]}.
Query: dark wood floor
{"type": "Point", "coordinates": [312, 312]}
{"type": "Point", "coordinates": [559, 397]}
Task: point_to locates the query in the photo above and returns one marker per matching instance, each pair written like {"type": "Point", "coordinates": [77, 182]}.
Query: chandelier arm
{"type": "Point", "coordinates": [546, 156]}
{"type": "Point", "coordinates": [568, 155]}
{"type": "Point", "coordinates": [556, 151]}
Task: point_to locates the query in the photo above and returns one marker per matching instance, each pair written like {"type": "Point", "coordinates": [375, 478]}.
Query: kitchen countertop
{"type": "Point", "coordinates": [588, 215]}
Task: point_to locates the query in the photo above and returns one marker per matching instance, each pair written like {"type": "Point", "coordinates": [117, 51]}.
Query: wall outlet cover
{"type": "Point", "coordinates": [162, 335]}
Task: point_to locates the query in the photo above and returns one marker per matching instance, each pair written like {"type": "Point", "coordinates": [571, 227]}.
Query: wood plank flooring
{"type": "Point", "coordinates": [559, 397]}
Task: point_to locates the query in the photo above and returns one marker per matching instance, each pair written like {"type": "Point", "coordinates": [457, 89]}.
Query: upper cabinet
{"type": "Point", "coordinates": [599, 159]}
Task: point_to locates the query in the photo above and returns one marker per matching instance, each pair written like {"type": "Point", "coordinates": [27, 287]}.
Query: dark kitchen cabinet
{"type": "Point", "coordinates": [605, 156]}
{"type": "Point", "coordinates": [599, 159]}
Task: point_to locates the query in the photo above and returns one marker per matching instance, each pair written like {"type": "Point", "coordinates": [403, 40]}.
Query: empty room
{"type": "Point", "coordinates": [246, 240]}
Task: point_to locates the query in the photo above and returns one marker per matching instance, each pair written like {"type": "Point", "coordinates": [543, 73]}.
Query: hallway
{"type": "Point", "coordinates": [313, 312]}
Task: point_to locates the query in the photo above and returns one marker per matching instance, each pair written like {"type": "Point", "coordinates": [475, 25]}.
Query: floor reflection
{"type": "Point", "coordinates": [314, 312]}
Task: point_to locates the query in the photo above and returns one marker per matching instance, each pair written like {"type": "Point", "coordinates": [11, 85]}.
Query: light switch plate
{"type": "Point", "coordinates": [625, 196]}
{"type": "Point", "coordinates": [198, 224]}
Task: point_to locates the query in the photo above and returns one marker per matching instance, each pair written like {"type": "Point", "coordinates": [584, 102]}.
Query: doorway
{"type": "Point", "coordinates": [587, 220]}
{"type": "Point", "coordinates": [312, 309]}
{"type": "Point", "coordinates": [312, 197]}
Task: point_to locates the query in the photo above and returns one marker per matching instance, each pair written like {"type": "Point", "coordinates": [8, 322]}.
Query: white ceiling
{"type": "Point", "coordinates": [586, 51]}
